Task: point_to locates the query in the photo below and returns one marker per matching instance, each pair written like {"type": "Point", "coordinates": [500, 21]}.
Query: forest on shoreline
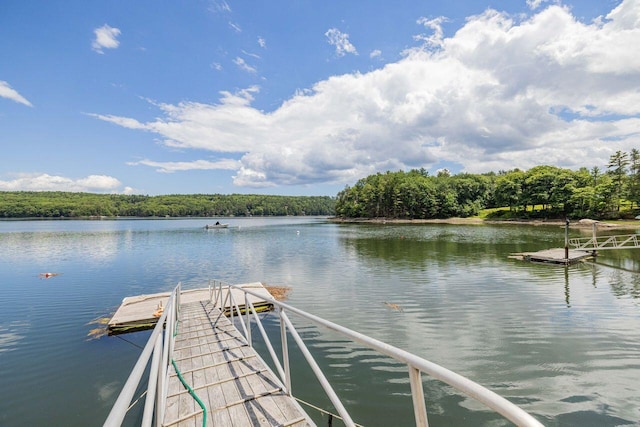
{"type": "Point", "coordinates": [36, 204]}
{"type": "Point", "coordinates": [542, 192]}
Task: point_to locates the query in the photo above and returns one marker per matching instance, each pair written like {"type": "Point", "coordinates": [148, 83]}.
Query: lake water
{"type": "Point", "coordinates": [563, 343]}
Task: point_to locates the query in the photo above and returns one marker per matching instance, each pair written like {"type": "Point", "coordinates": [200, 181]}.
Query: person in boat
{"type": "Point", "coordinates": [217, 222]}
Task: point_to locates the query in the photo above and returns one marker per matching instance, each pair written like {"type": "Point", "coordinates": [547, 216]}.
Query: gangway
{"type": "Point", "coordinates": [181, 325]}
{"type": "Point", "coordinates": [594, 243]}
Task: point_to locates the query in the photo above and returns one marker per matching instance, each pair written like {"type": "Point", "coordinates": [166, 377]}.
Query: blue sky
{"type": "Point", "coordinates": [302, 97]}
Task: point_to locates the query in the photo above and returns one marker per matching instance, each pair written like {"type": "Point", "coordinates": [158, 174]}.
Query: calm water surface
{"type": "Point", "coordinates": [563, 343]}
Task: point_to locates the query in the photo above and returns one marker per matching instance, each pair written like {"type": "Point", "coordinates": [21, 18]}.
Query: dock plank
{"type": "Point", "coordinates": [226, 374]}
{"type": "Point", "coordinates": [213, 394]}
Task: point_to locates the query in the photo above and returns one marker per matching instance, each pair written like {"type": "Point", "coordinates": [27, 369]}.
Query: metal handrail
{"type": "Point", "coordinates": [606, 242]}
{"type": "Point", "coordinates": [160, 349]}
{"type": "Point", "coordinates": [415, 364]}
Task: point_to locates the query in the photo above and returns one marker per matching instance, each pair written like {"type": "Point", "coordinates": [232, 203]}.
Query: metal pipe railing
{"type": "Point", "coordinates": [149, 403]}
{"type": "Point", "coordinates": [331, 394]}
{"type": "Point", "coordinates": [415, 364]}
{"type": "Point", "coordinates": [606, 242]}
{"type": "Point", "coordinates": [157, 372]}
{"type": "Point", "coordinates": [272, 352]}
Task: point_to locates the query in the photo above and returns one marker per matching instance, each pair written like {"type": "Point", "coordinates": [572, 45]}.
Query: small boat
{"type": "Point", "coordinates": [214, 226]}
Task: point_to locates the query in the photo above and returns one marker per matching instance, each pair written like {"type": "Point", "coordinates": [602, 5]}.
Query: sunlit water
{"type": "Point", "coordinates": [563, 343]}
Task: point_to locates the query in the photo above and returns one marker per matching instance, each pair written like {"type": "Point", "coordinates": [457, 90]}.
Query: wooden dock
{"type": "Point", "coordinates": [554, 256]}
{"type": "Point", "coordinates": [226, 374]}
{"type": "Point", "coordinates": [141, 312]}
{"type": "Point", "coordinates": [204, 371]}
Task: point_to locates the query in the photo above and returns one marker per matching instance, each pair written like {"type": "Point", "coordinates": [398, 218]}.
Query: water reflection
{"type": "Point", "coordinates": [524, 329]}
{"type": "Point", "coordinates": [55, 247]}
{"type": "Point", "coordinates": [562, 342]}
{"type": "Point", "coordinates": [11, 335]}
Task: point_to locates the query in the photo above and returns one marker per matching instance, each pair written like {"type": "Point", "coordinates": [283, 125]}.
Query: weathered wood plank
{"type": "Point", "coordinates": [227, 375]}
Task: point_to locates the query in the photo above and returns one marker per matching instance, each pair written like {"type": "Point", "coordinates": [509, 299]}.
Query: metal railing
{"type": "Point", "coordinates": [605, 242]}
{"type": "Point", "coordinates": [416, 365]}
{"type": "Point", "coordinates": [159, 349]}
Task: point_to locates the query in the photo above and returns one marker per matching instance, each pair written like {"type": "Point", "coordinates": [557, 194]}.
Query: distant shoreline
{"type": "Point", "coordinates": [480, 221]}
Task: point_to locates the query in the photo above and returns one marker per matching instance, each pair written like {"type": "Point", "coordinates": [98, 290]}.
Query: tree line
{"type": "Point", "coordinates": [540, 192]}
{"type": "Point", "coordinates": [31, 204]}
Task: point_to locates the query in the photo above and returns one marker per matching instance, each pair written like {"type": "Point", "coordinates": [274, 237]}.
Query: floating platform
{"type": "Point", "coordinates": [141, 312]}
{"type": "Point", "coordinates": [554, 256]}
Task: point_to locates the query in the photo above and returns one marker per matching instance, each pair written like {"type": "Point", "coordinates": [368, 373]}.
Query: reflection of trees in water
{"type": "Point", "coordinates": [622, 268]}
{"type": "Point", "coordinates": [466, 247]}
{"type": "Point", "coordinates": [416, 244]}
{"type": "Point", "coordinates": [624, 283]}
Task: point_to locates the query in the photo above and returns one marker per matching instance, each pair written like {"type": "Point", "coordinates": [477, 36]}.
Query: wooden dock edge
{"type": "Point", "coordinates": [553, 256]}
{"type": "Point", "coordinates": [141, 312]}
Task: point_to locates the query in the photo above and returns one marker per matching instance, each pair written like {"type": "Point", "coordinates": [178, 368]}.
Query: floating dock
{"type": "Point", "coordinates": [142, 312]}
{"type": "Point", "coordinates": [554, 256]}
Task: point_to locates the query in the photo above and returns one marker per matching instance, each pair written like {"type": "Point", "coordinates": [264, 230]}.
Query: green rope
{"type": "Point", "coordinates": [191, 392]}
{"type": "Point", "coordinates": [187, 386]}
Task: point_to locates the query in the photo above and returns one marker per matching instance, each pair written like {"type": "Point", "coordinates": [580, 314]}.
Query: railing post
{"type": "Point", "coordinates": [322, 379]}
{"type": "Point", "coordinates": [566, 239]}
{"type": "Point", "coordinates": [248, 318]}
{"type": "Point", "coordinates": [152, 387]}
{"type": "Point", "coordinates": [162, 377]}
{"type": "Point", "coordinates": [165, 364]}
{"type": "Point", "coordinates": [178, 296]}
{"type": "Point", "coordinates": [285, 351]}
{"type": "Point", "coordinates": [231, 304]}
{"type": "Point", "coordinates": [417, 394]}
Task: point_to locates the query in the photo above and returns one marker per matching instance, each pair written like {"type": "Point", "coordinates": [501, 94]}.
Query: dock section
{"type": "Point", "coordinates": [554, 256]}
{"type": "Point", "coordinates": [230, 380]}
{"type": "Point", "coordinates": [142, 312]}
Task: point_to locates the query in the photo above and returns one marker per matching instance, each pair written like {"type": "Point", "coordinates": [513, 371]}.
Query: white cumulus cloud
{"type": "Point", "coordinates": [6, 91]}
{"type": "Point", "coordinates": [170, 167]}
{"type": "Point", "coordinates": [500, 93]}
{"type": "Point", "coordinates": [46, 182]}
{"type": "Point", "coordinates": [535, 4]}
{"type": "Point", "coordinates": [106, 37]}
{"type": "Point", "coordinates": [435, 40]}
{"type": "Point", "coordinates": [341, 42]}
